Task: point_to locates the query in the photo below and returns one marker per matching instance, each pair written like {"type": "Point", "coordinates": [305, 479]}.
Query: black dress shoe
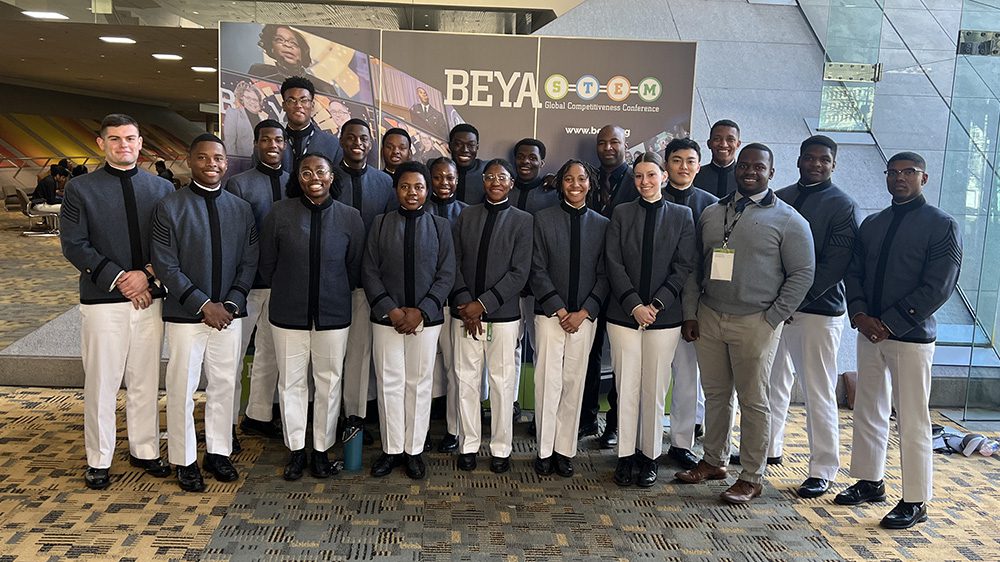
{"type": "Point", "coordinates": [296, 465]}
{"type": "Point", "coordinates": [237, 447]}
{"type": "Point", "coordinates": [517, 410]}
{"type": "Point", "coordinates": [320, 465]}
{"type": "Point", "coordinates": [268, 429]}
{"type": "Point", "coordinates": [97, 478]}
{"type": "Point", "coordinates": [647, 472]}
{"type": "Point", "coordinates": [683, 457]}
{"type": "Point", "coordinates": [698, 431]}
{"type": "Point", "coordinates": [609, 440]}
{"type": "Point", "coordinates": [189, 478]}
{"type": "Point", "coordinates": [860, 492]}
{"type": "Point", "coordinates": [221, 467]}
{"type": "Point", "coordinates": [499, 465]}
{"type": "Point", "coordinates": [449, 444]}
{"type": "Point", "coordinates": [813, 488]}
{"type": "Point", "coordinates": [774, 461]}
{"type": "Point", "coordinates": [734, 459]}
{"type": "Point", "coordinates": [587, 429]}
{"type": "Point", "coordinates": [905, 515]}
{"type": "Point", "coordinates": [623, 472]}
{"type": "Point", "coordinates": [564, 465]}
{"type": "Point", "coordinates": [153, 467]}
{"type": "Point", "coordinates": [385, 463]}
{"type": "Point", "coordinates": [532, 429]}
{"type": "Point", "coordinates": [415, 467]}
{"type": "Point", "coordinates": [467, 461]}
{"type": "Point", "coordinates": [543, 467]}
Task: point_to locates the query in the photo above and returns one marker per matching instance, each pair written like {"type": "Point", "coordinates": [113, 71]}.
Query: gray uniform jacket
{"type": "Point", "coordinates": [773, 265]}
{"type": "Point", "coordinates": [650, 251]}
{"type": "Point", "coordinates": [422, 243]}
{"type": "Point", "coordinates": [105, 228]}
{"type": "Point", "coordinates": [567, 262]}
{"type": "Point", "coordinates": [445, 208]}
{"type": "Point", "coordinates": [717, 180]}
{"type": "Point", "coordinates": [204, 250]}
{"type": "Point", "coordinates": [261, 187]}
{"type": "Point", "coordinates": [493, 253]}
{"type": "Point", "coordinates": [369, 190]}
{"type": "Point", "coordinates": [832, 216]}
{"type": "Point", "coordinates": [532, 196]}
{"type": "Point", "coordinates": [311, 257]}
{"type": "Point", "coordinates": [470, 183]}
{"type": "Point", "coordinates": [906, 263]}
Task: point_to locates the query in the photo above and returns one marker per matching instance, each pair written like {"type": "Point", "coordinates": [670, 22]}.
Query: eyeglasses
{"type": "Point", "coordinates": [906, 172]}
{"type": "Point", "coordinates": [490, 178]}
{"type": "Point", "coordinates": [285, 42]}
{"type": "Point", "coordinates": [304, 102]}
{"type": "Point", "coordinates": [318, 174]}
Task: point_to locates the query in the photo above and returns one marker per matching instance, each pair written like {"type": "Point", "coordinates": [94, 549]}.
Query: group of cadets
{"type": "Point", "coordinates": [418, 283]}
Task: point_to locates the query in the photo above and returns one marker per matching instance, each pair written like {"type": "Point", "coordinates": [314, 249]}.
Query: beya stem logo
{"type": "Point", "coordinates": [479, 88]}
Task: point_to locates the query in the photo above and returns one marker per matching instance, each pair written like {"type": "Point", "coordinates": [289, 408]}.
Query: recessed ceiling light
{"type": "Point", "coordinates": [44, 15]}
{"type": "Point", "coordinates": [203, 69]}
{"type": "Point", "coordinates": [119, 40]}
{"type": "Point", "coordinates": [166, 56]}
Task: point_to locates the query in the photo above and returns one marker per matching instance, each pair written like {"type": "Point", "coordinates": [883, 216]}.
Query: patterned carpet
{"type": "Point", "coordinates": [47, 514]}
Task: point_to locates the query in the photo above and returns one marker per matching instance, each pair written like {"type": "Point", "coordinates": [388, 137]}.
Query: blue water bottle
{"type": "Point", "coordinates": [353, 440]}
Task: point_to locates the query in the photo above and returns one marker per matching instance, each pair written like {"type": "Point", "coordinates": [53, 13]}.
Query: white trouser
{"type": "Point", "coordinates": [264, 369]}
{"type": "Point", "coordinates": [498, 356]}
{"type": "Point", "coordinates": [560, 372]}
{"type": "Point", "coordinates": [294, 349]}
{"type": "Point", "coordinates": [193, 346]}
{"type": "Point", "coordinates": [444, 374]}
{"type": "Point", "coordinates": [808, 349]}
{"type": "Point", "coordinates": [893, 373]}
{"type": "Point", "coordinates": [525, 336]}
{"type": "Point", "coordinates": [641, 360]}
{"type": "Point", "coordinates": [687, 396]}
{"type": "Point", "coordinates": [404, 368]}
{"type": "Point", "coordinates": [118, 341]}
{"type": "Point", "coordinates": [358, 368]}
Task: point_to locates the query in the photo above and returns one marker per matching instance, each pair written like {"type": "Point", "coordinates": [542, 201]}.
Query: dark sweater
{"type": "Point", "coordinates": [105, 228]}
{"type": "Point", "coordinates": [717, 180]}
{"type": "Point", "coordinates": [493, 253]}
{"type": "Point", "coordinates": [651, 251]}
{"type": "Point", "coordinates": [204, 249]}
{"type": "Point", "coordinates": [832, 216]}
{"type": "Point", "coordinates": [368, 190]}
{"type": "Point", "coordinates": [409, 262]}
{"type": "Point", "coordinates": [311, 257]}
{"type": "Point", "coordinates": [906, 263]}
{"type": "Point", "coordinates": [567, 262]}
{"type": "Point", "coordinates": [260, 186]}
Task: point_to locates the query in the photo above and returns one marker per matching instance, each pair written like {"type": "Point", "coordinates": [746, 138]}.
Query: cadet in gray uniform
{"type": "Point", "coordinates": [302, 134]}
{"type": "Point", "coordinates": [368, 190]}
{"type": "Point", "coordinates": [906, 263]}
{"type": "Point", "coordinates": [261, 186]}
{"type": "Point", "coordinates": [717, 177]}
{"type": "Point", "coordinates": [650, 252]}
{"type": "Point", "coordinates": [568, 277]}
{"type": "Point", "coordinates": [406, 304]}
{"type": "Point", "coordinates": [443, 203]}
{"type": "Point", "coordinates": [205, 250]}
{"type": "Point", "coordinates": [396, 149]}
{"type": "Point", "coordinates": [811, 338]}
{"type": "Point", "coordinates": [105, 234]}
{"type": "Point", "coordinates": [311, 257]}
{"type": "Point", "coordinates": [463, 142]}
{"type": "Point", "coordinates": [493, 252]}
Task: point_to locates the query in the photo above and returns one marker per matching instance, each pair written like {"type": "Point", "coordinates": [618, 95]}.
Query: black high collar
{"type": "Point", "coordinates": [206, 193]}
{"type": "Point", "coordinates": [408, 213]}
{"type": "Point", "coordinates": [301, 133]}
{"type": "Point", "coordinates": [314, 207]}
{"type": "Point", "coordinates": [466, 169]}
{"type": "Point", "coordinates": [351, 171]}
{"type": "Point", "coordinates": [121, 173]}
{"type": "Point", "coordinates": [268, 171]}
{"type": "Point", "coordinates": [678, 194]}
{"type": "Point", "coordinates": [815, 187]}
{"type": "Point", "coordinates": [912, 204]}
{"type": "Point", "coordinates": [573, 210]}
{"type": "Point", "coordinates": [529, 185]}
{"type": "Point", "coordinates": [497, 207]}
{"type": "Point", "coordinates": [438, 201]}
{"type": "Point", "coordinates": [651, 204]}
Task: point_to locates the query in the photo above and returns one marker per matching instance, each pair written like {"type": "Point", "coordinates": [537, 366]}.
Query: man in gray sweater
{"type": "Point", "coordinates": [757, 265]}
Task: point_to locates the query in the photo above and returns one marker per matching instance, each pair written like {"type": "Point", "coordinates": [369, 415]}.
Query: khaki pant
{"type": "Point", "coordinates": [735, 354]}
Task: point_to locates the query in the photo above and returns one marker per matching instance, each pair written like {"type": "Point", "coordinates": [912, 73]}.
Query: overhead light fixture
{"type": "Point", "coordinates": [118, 40]}
{"type": "Point", "coordinates": [167, 56]}
{"type": "Point", "coordinates": [203, 69]}
{"type": "Point", "coordinates": [45, 15]}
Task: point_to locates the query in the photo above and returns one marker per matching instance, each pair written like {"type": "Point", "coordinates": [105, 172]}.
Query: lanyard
{"type": "Point", "coordinates": [305, 145]}
{"type": "Point", "coordinates": [727, 229]}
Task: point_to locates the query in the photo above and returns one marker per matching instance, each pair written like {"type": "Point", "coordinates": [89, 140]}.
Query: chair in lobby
{"type": "Point", "coordinates": [49, 221]}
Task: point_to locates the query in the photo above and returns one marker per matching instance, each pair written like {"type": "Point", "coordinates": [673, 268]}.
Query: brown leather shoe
{"type": "Point", "coordinates": [703, 471]}
{"type": "Point", "coordinates": [741, 492]}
